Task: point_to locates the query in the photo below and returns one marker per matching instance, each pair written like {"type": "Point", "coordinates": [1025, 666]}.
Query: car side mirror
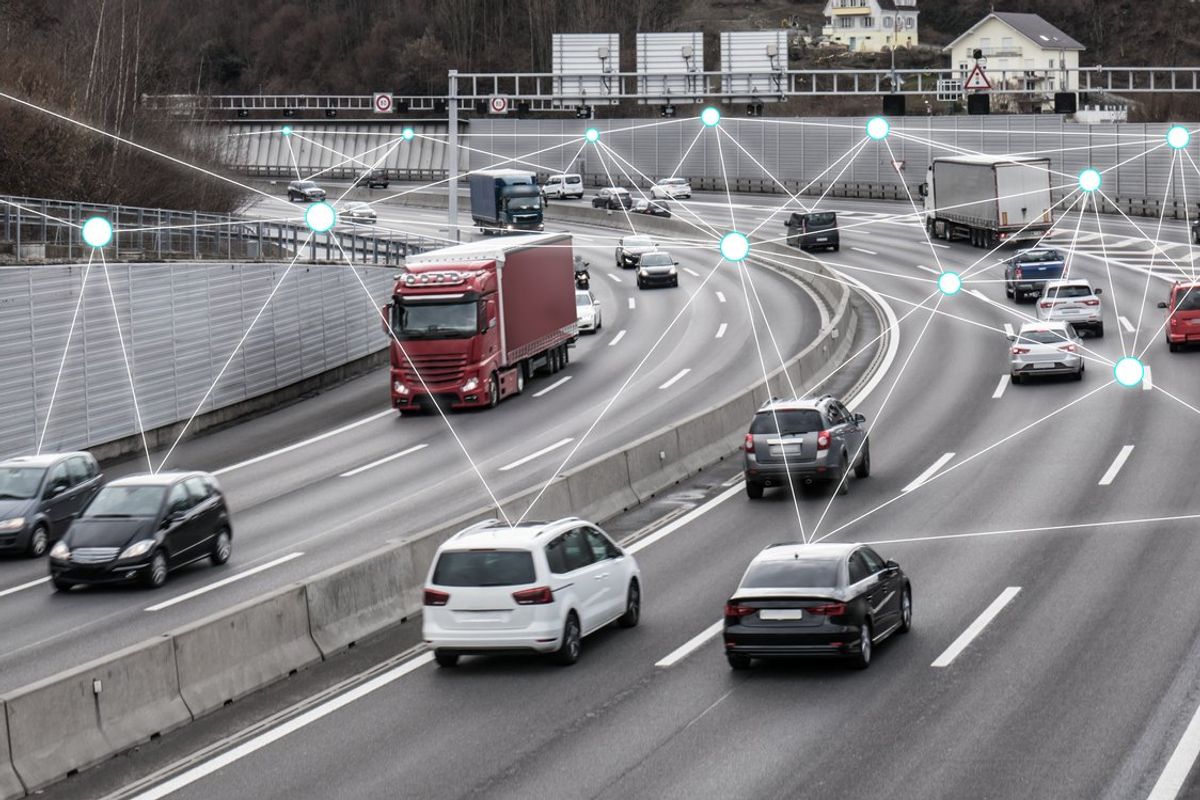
{"type": "Point", "coordinates": [385, 314]}
{"type": "Point", "coordinates": [860, 418]}
{"type": "Point", "coordinates": [1162, 305]}
{"type": "Point", "coordinates": [1098, 291]}
{"type": "Point", "coordinates": [891, 567]}
{"type": "Point", "coordinates": [1011, 338]}
{"type": "Point", "coordinates": [923, 190]}
{"type": "Point", "coordinates": [56, 490]}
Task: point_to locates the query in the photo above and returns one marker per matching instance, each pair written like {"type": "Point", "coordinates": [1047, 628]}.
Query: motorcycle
{"type": "Point", "coordinates": [582, 279]}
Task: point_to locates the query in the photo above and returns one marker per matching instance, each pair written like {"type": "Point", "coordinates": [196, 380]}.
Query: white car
{"type": "Point", "coordinates": [538, 587]}
{"type": "Point", "coordinates": [1045, 348]}
{"type": "Point", "coordinates": [357, 212]}
{"type": "Point", "coordinates": [1074, 301]}
{"type": "Point", "coordinates": [671, 189]}
{"type": "Point", "coordinates": [563, 186]}
{"type": "Point", "coordinates": [587, 309]}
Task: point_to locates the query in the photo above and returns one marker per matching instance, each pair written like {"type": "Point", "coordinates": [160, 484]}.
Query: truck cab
{"type": "Point", "coordinates": [505, 201]}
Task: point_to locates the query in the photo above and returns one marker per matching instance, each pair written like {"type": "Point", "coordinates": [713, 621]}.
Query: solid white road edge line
{"type": "Point", "coordinates": [686, 519]}
{"type": "Point", "coordinates": [677, 376]}
{"type": "Point", "coordinates": [1116, 465]}
{"type": "Point", "coordinates": [620, 335]}
{"type": "Point", "coordinates": [384, 460]}
{"type": "Point", "coordinates": [928, 473]}
{"type": "Point", "coordinates": [691, 645]}
{"type": "Point", "coordinates": [560, 381]}
{"type": "Point", "coordinates": [1179, 765]}
{"type": "Point", "coordinates": [538, 454]}
{"type": "Point", "coordinates": [224, 582]}
{"type": "Point", "coordinates": [976, 627]}
{"type": "Point", "coordinates": [1005, 380]}
{"type": "Point", "coordinates": [298, 445]}
{"type": "Point", "coordinates": [291, 726]}
{"type": "Point", "coordinates": [24, 586]}
{"type": "Point", "coordinates": [721, 330]}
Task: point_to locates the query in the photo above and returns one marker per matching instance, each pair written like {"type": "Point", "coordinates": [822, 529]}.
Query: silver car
{"type": "Point", "coordinates": [1045, 348]}
{"type": "Point", "coordinates": [357, 212]}
{"type": "Point", "coordinates": [671, 189]}
{"type": "Point", "coordinates": [1073, 301]}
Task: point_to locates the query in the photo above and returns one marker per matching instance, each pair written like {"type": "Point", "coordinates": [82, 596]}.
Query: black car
{"type": "Point", "coordinates": [613, 198]}
{"type": "Point", "coordinates": [372, 179]}
{"type": "Point", "coordinates": [657, 269]}
{"type": "Point", "coordinates": [40, 496]}
{"type": "Point", "coordinates": [813, 229]}
{"type": "Point", "coordinates": [816, 600]}
{"type": "Point", "coordinates": [655, 208]}
{"type": "Point", "coordinates": [140, 527]}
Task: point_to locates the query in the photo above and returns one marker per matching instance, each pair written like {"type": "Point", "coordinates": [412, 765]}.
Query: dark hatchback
{"type": "Point", "coordinates": [816, 600]}
{"type": "Point", "coordinates": [40, 496]}
{"type": "Point", "coordinates": [141, 527]}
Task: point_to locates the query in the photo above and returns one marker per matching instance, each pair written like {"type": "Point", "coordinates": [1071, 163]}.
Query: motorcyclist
{"type": "Point", "coordinates": [582, 278]}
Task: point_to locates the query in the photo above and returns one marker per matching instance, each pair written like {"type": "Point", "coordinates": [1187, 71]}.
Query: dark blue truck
{"type": "Point", "coordinates": [505, 201]}
{"type": "Point", "coordinates": [1026, 273]}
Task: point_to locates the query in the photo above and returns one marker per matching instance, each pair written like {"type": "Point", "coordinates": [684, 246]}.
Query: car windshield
{"type": "Point", "coordinates": [484, 568]}
{"type": "Point", "coordinates": [822, 220]}
{"type": "Point", "coordinates": [1068, 291]}
{"type": "Point", "coordinates": [306, 185]}
{"type": "Point", "coordinates": [789, 422]}
{"type": "Point", "coordinates": [583, 299]}
{"type": "Point", "coordinates": [126, 501]}
{"type": "Point", "coordinates": [635, 241]}
{"type": "Point", "coordinates": [20, 483]}
{"type": "Point", "coordinates": [1189, 301]}
{"type": "Point", "coordinates": [798, 572]}
{"type": "Point", "coordinates": [673, 182]}
{"type": "Point", "coordinates": [1039, 256]}
{"type": "Point", "coordinates": [417, 319]}
{"type": "Point", "coordinates": [525, 203]}
{"type": "Point", "coordinates": [657, 260]}
{"type": "Point", "coordinates": [1043, 337]}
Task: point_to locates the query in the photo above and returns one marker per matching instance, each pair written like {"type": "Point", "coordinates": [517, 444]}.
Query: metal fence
{"type": "Point", "coordinates": [40, 229]}
{"type": "Point", "coordinates": [180, 323]}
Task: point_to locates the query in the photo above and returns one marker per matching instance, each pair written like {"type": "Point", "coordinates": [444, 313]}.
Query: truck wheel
{"type": "Point", "coordinates": [566, 354]}
{"type": "Point", "coordinates": [552, 360]}
{"type": "Point", "coordinates": [521, 378]}
{"type": "Point", "coordinates": [493, 391]}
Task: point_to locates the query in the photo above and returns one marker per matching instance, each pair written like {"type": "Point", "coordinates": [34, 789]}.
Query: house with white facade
{"type": "Point", "coordinates": [1022, 51]}
{"type": "Point", "coordinates": [871, 26]}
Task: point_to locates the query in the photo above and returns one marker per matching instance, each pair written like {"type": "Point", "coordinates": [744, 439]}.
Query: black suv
{"type": "Point", "coordinates": [809, 441]}
{"type": "Point", "coordinates": [813, 229]}
{"type": "Point", "coordinates": [141, 526]}
{"type": "Point", "coordinates": [41, 495]}
{"type": "Point", "coordinates": [373, 179]}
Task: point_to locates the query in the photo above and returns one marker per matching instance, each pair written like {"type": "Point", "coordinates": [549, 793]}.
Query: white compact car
{"type": "Point", "coordinates": [563, 186]}
{"type": "Point", "coordinates": [357, 212]}
{"type": "Point", "coordinates": [587, 311]}
{"type": "Point", "coordinates": [1073, 301]}
{"type": "Point", "coordinates": [537, 587]}
{"type": "Point", "coordinates": [671, 189]}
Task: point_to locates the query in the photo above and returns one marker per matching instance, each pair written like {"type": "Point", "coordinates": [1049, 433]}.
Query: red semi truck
{"type": "Point", "coordinates": [471, 323]}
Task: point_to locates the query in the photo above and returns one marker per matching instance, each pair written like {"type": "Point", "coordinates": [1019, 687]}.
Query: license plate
{"type": "Point", "coordinates": [788, 451]}
{"type": "Point", "coordinates": [1043, 366]}
{"type": "Point", "coordinates": [781, 613]}
{"type": "Point", "coordinates": [822, 238]}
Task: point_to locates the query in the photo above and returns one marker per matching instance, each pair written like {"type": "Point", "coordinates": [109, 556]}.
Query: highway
{"type": "Point", "coordinates": [1054, 654]}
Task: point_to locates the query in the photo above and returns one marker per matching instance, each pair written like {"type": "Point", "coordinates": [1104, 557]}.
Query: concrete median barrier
{"type": "Point", "coordinates": [654, 463]}
{"type": "Point", "coordinates": [78, 718]}
{"type": "Point", "coordinates": [367, 595]}
{"type": "Point", "coordinates": [228, 655]}
{"type": "Point", "coordinates": [600, 488]}
{"type": "Point", "coordinates": [10, 784]}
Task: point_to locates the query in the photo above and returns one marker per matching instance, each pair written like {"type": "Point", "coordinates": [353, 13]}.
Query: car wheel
{"type": "Point", "coordinates": [39, 541]}
{"type": "Point", "coordinates": [568, 652]}
{"type": "Point", "coordinates": [862, 659]}
{"type": "Point", "coordinates": [156, 574]}
{"type": "Point", "coordinates": [599, 323]}
{"type": "Point", "coordinates": [738, 661]}
{"type": "Point", "coordinates": [843, 486]}
{"type": "Point", "coordinates": [61, 585]}
{"type": "Point", "coordinates": [493, 391]}
{"type": "Point", "coordinates": [1174, 347]}
{"type": "Point", "coordinates": [1098, 330]}
{"type": "Point", "coordinates": [1008, 290]}
{"type": "Point", "coordinates": [1017, 378]}
{"type": "Point", "coordinates": [633, 607]}
{"type": "Point", "coordinates": [754, 490]}
{"type": "Point", "coordinates": [906, 611]}
{"type": "Point", "coordinates": [1078, 375]}
{"type": "Point", "coordinates": [863, 469]}
{"type": "Point", "coordinates": [445, 659]}
{"type": "Point", "coordinates": [675, 283]}
{"type": "Point", "coordinates": [836, 248]}
{"type": "Point", "coordinates": [222, 548]}
{"type": "Point", "coordinates": [639, 284]}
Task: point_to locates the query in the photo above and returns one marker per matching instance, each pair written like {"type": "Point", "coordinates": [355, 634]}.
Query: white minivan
{"type": "Point", "coordinates": [563, 186]}
{"type": "Point", "coordinates": [537, 587]}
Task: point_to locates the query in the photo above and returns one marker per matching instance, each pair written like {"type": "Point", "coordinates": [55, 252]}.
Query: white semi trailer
{"type": "Point", "coordinates": [988, 200]}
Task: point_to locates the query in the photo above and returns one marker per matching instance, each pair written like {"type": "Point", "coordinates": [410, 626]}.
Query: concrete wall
{"type": "Point", "coordinates": [180, 322]}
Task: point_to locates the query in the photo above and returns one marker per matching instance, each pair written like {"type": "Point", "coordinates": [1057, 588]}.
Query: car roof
{"type": "Point", "coordinates": [796, 403]}
{"type": "Point", "coordinates": [1069, 282]}
{"type": "Point", "coordinates": [155, 479]}
{"type": "Point", "coordinates": [40, 460]}
{"type": "Point", "coordinates": [493, 533]}
{"type": "Point", "coordinates": [637, 239]}
{"type": "Point", "coordinates": [1186, 286]}
{"type": "Point", "coordinates": [1058, 327]}
{"type": "Point", "coordinates": [823, 551]}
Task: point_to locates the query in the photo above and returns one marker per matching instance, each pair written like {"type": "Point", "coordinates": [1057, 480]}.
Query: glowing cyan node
{"type": "Point", "coordinates": [949, 283]}
{"type": "Point", "coordinates": [320, 217]}
{"type": "Point", "coordinates": [97, 232]}
{"type": "Point", "coordinates": [408, 134]}
{"type": "Point", "coordinates": [735, 246]}
{"type": "Point", "coordinates": [1129, 371]}
{"type": "Point", "coordinates": [1178, 137]}
{"type": "Point", "coordinates": [592, 135]}
{"type": "Point", "coordinates": [878, 128]}
{"type": "Point", "coordinates": [710, 116]}
{"type": "Point", "coordinates": [286, 130]}
{"type": "Point", "coordinates": [1089, 180]}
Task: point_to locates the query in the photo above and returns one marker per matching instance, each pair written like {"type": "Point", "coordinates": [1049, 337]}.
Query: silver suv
{"type": "Point", "coordinates": [808, 441]}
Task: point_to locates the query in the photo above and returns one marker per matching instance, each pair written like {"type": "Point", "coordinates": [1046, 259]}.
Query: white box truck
{"type": "Point", "coordinates": [988, 200]}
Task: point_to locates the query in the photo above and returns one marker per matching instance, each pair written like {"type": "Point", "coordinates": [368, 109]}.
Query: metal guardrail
{"type": "Point", "coordinates": [41, 229]}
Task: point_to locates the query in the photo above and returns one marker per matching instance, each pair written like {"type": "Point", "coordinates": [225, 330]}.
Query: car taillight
{"type": "Point", "coordinates": [1047, 304]}
{"type": "Point", "coordinates": [1070, 348]}
{"type": "Point", "coordinates": [1174, 321]}
{"type": "Point", "coordinates": [749, 444]}
{"type": "Point", "coordinates": [1020, 351]}
{"type": "Point", "coordinates": [736, 611]}
{"type": "Point", "coordinates": [828, 610]}
{"type": "Point", "coordinates": [534, 597]}
{"type": "Point", "coordinates": [1091, 302]}
{"type": "Point", "coordinates": [435, 598]}
{"type": "Point", "coordinates": [1017, 274]}
{"type": "Point", "coordinates": [823, 440]}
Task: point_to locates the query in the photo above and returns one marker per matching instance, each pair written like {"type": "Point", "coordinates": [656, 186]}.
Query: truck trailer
{"type": "Point", "coordinates": [470, 324]}
{"type": "Point", "coordinates": [988, 200]}
{"type": "Point", "coordinates": [505, 201]}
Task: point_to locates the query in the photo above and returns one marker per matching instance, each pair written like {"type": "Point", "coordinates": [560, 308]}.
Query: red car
{"type": "Point", "coordinates": [1183, 322]}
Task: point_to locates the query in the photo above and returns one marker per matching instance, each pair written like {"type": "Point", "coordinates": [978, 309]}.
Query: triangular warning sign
{"type": "Point", "coordinates": [977, 80]}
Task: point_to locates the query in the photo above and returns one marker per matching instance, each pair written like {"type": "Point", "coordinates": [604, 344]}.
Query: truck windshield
{"type": "Point", "coordinates": [524, 203]}
{"type": "Point", "coordinates": [415, 319]}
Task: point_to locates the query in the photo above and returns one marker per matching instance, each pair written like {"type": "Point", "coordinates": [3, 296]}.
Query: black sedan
{"type": "Point", "coordinates": [816, 600]}
{"type": "Point", "coordinates": [655, 208]}
{"type": "Point", "coordinates": [142, 526]}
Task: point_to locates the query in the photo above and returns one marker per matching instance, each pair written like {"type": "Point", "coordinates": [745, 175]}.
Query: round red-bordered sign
{"type": "Point", "coordinates": [382, 103]}
{"type": "Point", "coordinates": [498, 104]}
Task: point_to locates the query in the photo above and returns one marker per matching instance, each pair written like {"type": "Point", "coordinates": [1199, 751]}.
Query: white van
{"type": "Point", "coordinates": [562, 186]}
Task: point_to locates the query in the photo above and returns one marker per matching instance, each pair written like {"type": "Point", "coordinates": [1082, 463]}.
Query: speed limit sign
{"type": "Point", "coordinates": [498, 104]}
{"type": "Point", "coordinates": [382, 102]}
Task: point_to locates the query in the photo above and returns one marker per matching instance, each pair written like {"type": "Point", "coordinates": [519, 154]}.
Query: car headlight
{"type": "Point", "coordinates": [642, 271]}
{"type": "Point", "coordinates": [471, 385]}
{"type": "Point", "coordinates": [138, 549]}
{"type": "Point", "coordinates": [672, 271]}
{"type": "Point", "coordinates": [399, 388]}
{"type": "Point", "coordinates": [12, 524]}
{"type": "Point", "coordinates": [60, 550]}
